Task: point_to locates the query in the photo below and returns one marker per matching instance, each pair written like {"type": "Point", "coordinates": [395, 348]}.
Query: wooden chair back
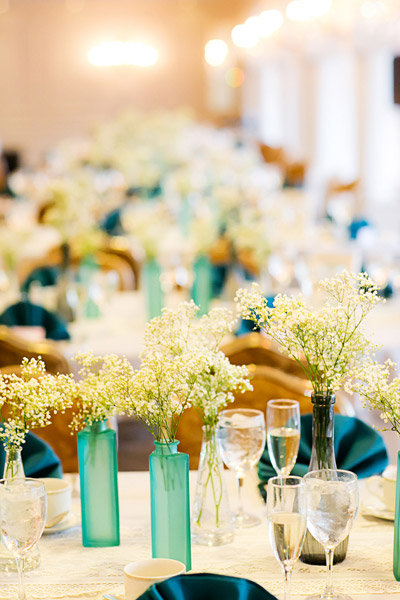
{"type": "Point", "coordinates": [14, 348]}
{"type": "Point", "coordinates": [268, 383]}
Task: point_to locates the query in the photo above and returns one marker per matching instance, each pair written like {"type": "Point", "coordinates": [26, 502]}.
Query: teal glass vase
{"type": "Point", "coordinates": [396, 541]}
{"type": "Point", "coordinates": [98, 471]}
{"type": "Point", "coordinates": [152, 283]}
{"type": "Point", "coordinates": [201, 290]}
{"type": "Point", "coordinates": [170, 511]}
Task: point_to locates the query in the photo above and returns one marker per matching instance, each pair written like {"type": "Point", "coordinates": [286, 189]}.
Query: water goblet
{"type": "Point", "coordinates": [241, 438]}
{"type": "Point", "coordinates": [23, 508]}
{"type": "Point", "coordinates": [332, 504]}
{"type": "Point", "coordinates": [287, 516]}
{"type": "Point", "coordinates": [283, 434]}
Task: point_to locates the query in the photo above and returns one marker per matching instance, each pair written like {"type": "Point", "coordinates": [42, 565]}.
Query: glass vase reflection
{"type": "Point", "coordinates": [98, 472]}
{"type": "Point", "coordinates": [212, 519]}
{"type": "Point", "coordinates": [170, 511]}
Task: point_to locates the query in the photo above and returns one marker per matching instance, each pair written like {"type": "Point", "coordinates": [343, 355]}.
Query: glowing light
{"type": "Point", "coordinates": [215, 52]}
{"type": "Point", "coordinates": [269, 21]}
{"type": "Point", "coordinates": [234, 77]}
{"type": "Point", "coordinates": [110, 54]}
{"type": "Point", "coordinates": [244, 36]}
{"type": "Point", "coordinates": [305, 10]}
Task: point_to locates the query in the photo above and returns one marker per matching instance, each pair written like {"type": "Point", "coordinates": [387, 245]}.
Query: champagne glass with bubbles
{"type": "Point", "coordinates": [241, 438]}
{"type": "Point", "coordinates": [283, 434]}
{"type": "Point", "coordinates": [332, 504]}
{"type": "Point", "coordinates": [287, 515]}
{"type": "Point", "coordinates": [23, 508]}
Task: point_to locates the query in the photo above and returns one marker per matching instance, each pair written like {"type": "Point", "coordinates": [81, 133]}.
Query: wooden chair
{"type": "Point", "coordinates": [272, 155]}
{"type": "Point", "coordinates": [255, 348]}
{"type": "Point", "coordinates": [268, 383]}
{"type": "Point", "coordinates": [14, 348]}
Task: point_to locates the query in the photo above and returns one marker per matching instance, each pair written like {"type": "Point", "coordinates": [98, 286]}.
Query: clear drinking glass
{"type": "Point", "coordinates": [23, 509]}
{"type": "Point", "coordinates": [287, 516]}
{"type": "Point", "coordinates": [332, 504]}
{"type": "Point", "coordinates": [241, 438]}
{"type": "Point", "coordinates": [283, 434]}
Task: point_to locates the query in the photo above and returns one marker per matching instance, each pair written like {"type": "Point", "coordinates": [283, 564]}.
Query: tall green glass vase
{"type": "Point", "coordinates": [396, 541]}
{"type": "Point", "coordinates": [170, 512]}
{"type": "Point", "coordinates": [152, 283]}
{"type": "Point", "coordinates": [322, 457]}
{"type": "Point", "coordinates": [98, 470]}
{"type": "Point", "coordinates": [201, 290]}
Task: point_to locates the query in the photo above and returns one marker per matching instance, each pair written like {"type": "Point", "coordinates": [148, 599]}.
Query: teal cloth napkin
{"type": "Point", "coordinates": [46, 275]}
{"type": "Point", "coordinates": [358, 448]}
{"type": "Point", "coordinates": [27, 313]}
{"type": "Point", "coordinates": [38, 458]}
{"type": "Point", "coordinates": [201, 586]}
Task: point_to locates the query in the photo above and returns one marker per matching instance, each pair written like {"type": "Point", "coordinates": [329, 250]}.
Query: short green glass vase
{"type": "Point", "coordinates": [170, 510]}
{"type": "Point", "coordinates": [98, 473]}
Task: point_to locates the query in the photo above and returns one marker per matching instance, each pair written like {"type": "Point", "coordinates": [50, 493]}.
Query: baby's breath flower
{"type": "Point", "coordinates": [327, 342]}
{"type": "Point", "coordinates": [28, 400]}
{"type": "Point", "coordinates": [104, 384]}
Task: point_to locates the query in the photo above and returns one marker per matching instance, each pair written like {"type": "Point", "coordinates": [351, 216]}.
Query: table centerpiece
{"type": "Point", "coordinates": [328, 343]}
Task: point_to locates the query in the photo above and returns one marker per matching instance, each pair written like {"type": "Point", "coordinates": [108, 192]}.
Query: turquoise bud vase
{"type": "Point", "coordinates": [98, 471]}
{"type": "Point", "coordinates": [170, 511]}
{"type": "Point", "coordinates": [153, 290]}
{"type": "Point", "coordinates": [201, 290]}
{"type": "Point", "coordinates": [396, 541]}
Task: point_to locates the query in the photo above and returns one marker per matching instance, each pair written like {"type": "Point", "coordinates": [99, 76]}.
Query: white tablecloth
{"type": "Point", "coordinates": [69, 571]}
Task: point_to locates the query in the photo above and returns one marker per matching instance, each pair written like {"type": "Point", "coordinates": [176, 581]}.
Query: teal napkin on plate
{"type": "Point", "coordinates": [358, 448]}
{"type": "Point", "coordinates": [46, 275]}
{"type": "Point", "coordinates": [27, 313]}
{"type": "Point", "coordinates": [201, 586]}
{"type": "Point", "coordinates": [38, 458]}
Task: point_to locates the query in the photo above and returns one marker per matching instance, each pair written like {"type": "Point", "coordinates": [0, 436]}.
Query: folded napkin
{"type": "Point", "coordinates": [38, 458]}
{"type": "Point", "coordinates": [358, 448]}
{"type": "Point", "coordinates": [198, 586]}
{"type": "Point", "coordinates": [27, 313]}
{"type": "Point", "coordinates": [355, 226]}
{"type": "Point", "coordinates": [46, 275]}
{"type": "Point", "coordinates": [111, 223]}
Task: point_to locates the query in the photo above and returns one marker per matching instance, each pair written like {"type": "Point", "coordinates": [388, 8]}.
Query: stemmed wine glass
{"type": "Point", "coordinates": [287, 516]}
{"type": "Point", "coordinates": [332, 504]}
{"type": "Point", "coordinates": [241, 438]}
{"type": "Point", "coordinates": [23, 508]}
{"type": "Point", "coordinates": [283, 434]}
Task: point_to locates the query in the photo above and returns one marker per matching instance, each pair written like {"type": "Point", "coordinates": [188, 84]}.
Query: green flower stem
{"type": "Point", "coordinates": [212, 472]}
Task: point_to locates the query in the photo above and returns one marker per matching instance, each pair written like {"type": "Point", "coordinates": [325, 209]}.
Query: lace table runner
{"type": "Point", "coordinates": [69, 571]}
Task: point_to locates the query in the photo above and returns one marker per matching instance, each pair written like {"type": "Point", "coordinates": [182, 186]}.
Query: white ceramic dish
{"type": "Point", "coordinates": [71, 521]}
{"type": "Point", "coordinates": [377, 510]}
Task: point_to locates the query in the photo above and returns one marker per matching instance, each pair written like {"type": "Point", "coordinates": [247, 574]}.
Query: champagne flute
{"type": "Point", "coordinates": [286, 514]}
{"type": "Point", "coordinates": [332, 504]}
{"type": "Point", "coordinates": [241, 438]}
{"type": "Point", "coordinates": [283, 434]}
{"type": "Point", "coordinates": [23, 508]}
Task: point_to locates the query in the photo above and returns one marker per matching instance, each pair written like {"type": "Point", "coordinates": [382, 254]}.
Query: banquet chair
{"type": "Point", "coordinates": [268, 383]}
{"type": "Point", "coordinates": [13, 348]}
{"type": "Point", "coordinates": [272, 155]}
{"type": "Point", "coordinates": [294, 174]}
{"type": "Point", "coordinates": [118, 246]}
{"type": "Point", "coordinates": [255, 348]}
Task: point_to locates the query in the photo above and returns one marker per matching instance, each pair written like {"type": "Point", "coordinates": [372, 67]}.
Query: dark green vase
{"type": "Point", "coordinates": [322, 457]}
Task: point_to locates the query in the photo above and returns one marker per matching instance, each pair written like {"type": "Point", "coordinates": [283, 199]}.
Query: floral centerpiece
{"type": "Point", "coordinates": [379, 390]}
{"type": "Point", "coordinates": [103, 382]}
{"type": "Point", "coordinates": [27, 401]}
{"type": "Point", "coordinates": [328, 343]}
